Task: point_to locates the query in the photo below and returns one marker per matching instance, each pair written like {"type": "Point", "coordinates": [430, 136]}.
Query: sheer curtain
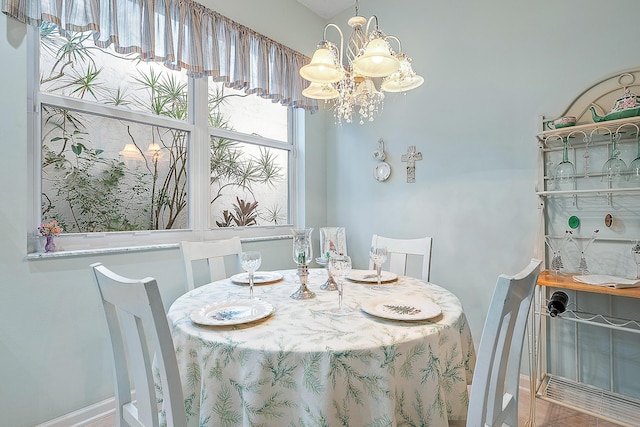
{"type": "Point", "coordinates": [180, 34]}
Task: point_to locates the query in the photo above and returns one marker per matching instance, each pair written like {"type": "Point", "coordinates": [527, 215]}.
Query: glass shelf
{"type": "Point", "coordinates": [594, 191]}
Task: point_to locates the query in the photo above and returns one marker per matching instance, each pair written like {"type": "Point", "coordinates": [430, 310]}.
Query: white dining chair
{"type": "Point", "coordinates": [214, 253]}
{"type": "Point", "coordinates": [494, 389]}
{"type": "Point", "coordinates": [399, 250]}
{"type": "Point", "coordinates": [139, 334]}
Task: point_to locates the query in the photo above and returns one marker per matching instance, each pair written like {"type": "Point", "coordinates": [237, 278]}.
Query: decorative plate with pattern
{"type": "Point", "coordinates": [232, 312]}
{"type": "Point", "coordinates": [399, 308]}
{"type": "Point", "coordinates": [370, 276]}
{"type": "Point", "coordinates": [259, 278]}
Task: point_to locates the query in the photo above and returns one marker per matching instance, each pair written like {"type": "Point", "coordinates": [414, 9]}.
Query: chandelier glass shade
{"type": "Point", "coordinates": [321, 91]}
{"type": "Point", "coordinates": [324, 66]}
{"type": "Point", "coordinates": [402, 80]}
{"type": "Point", "coordinates": [376, 60]}
{"type": "Point", "coordinates": [368, 56]}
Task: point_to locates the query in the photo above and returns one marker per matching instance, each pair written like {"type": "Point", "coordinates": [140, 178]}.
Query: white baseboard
{"type": "Point", "coordinates": [107, 407]}
{"type": "Point", "coordinates": [83, 416]}
{"type": "Point", "coordinates": [524, 382]}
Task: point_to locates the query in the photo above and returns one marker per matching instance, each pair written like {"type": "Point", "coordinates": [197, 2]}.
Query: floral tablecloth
{"type": "Point", "coordinates": [304, 366]}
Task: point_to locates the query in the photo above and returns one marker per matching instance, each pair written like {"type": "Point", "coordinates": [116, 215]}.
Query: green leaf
{"type": "Point", "coordinates": [77, 149]}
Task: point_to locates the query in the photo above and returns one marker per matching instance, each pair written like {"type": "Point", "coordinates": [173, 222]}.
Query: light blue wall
{"type": "Point", "coordinates": [491, 69]}
{"type": "Point", "coordinates": [54, 348]}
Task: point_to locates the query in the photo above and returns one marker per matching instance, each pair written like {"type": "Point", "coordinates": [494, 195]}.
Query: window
{"type": "Point", "coordinates": [125, 149]}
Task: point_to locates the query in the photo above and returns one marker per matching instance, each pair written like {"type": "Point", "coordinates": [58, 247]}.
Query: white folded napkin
{"type": "Point", "coordinates": [605, 280]}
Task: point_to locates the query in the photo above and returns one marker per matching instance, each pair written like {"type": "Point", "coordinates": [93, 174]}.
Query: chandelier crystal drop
{"type": "Point", "coordinates": [350, 86]}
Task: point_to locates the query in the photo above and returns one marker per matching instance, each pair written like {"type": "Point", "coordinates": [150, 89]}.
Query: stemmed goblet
{"type": "Point", "coordinates": [565, 172]}
{"type": "Point", "coordinates": [614, 170]}
{"type": "Point", "coordinates": [340, 267]}
{"type": "Point", "coordinates": [378, 256]}
{"type": "Point", "coordinates": [250, 261]}
{"type": "Point", "coordinates": [332, 242]}
{"type": "Point", "coordinates": [634, 166]}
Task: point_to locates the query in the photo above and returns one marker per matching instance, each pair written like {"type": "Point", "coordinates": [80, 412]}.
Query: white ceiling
{"type": "Point", "coordinates": [327, 8]}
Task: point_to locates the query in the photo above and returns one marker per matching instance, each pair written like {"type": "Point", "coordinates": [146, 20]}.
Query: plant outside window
{"type": "Point", "coordinates": [105, 168]}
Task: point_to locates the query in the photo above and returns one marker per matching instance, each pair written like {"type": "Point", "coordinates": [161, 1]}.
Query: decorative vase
{"type": "Point", "coordinates": [50, 246]}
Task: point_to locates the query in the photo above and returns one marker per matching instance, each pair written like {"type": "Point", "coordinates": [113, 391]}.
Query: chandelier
{"type": "Point", "coordinates": [351, 87]}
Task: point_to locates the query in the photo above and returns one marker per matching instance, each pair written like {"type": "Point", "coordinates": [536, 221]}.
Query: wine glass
{"type": "Point", "coordinates": [614, 170]}
{"type": "Point", "coordinates": [250, 262]}
{"type": "Point", "coordinates": [565, 171]}
{"type": "Point", "coordinates": [635, 251]}
{"type": "Point", "coordinates": [340, 267]}
{"type": "Point", "coordinates": [332, 242]}
{"type": "Point", "coordinates": [586, 156]}
{"type": "Point", "coordinates": [551, 173]}
{"type": "Point", "coordinates": [634, 166]}
{"type": "Point", "coordinates": [378, 256]}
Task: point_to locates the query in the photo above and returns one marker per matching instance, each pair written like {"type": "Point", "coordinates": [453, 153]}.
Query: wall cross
{"type": "Point", "coordinates": [411, 157]}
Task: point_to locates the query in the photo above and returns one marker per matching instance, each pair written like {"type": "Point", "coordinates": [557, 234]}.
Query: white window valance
{"type": "Point", "coordinates": [180, 34]}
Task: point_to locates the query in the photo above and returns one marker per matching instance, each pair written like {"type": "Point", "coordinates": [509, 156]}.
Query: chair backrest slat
{"type": "Point", "coordinates": [214, 253]}
{"type": "Point", "coordinates": [398, 251]}
{"type": "Point", "coordinates": [494, 390]}
{"type": "Point", "coordinates": [138, 328]}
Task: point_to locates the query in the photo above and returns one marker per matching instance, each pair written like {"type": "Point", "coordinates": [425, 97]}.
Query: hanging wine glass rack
{"type": "Point", "coordinates": [562, 374]}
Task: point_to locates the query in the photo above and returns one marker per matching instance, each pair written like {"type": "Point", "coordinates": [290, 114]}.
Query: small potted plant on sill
{"type": "Point", "coordinates": [49, 230]}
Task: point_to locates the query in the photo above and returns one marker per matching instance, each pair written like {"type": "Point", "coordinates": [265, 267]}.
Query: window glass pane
{"type": "Point", "coordinates": [114, 169]}
{"type": "Point", "coordinates": [234, 110]}
{"type": "Point", "coordinates": [249, 184]}
{"type": "Point", "coordinates": [101, 174]}
{"type": "Point", "coordinates": [71, 65]}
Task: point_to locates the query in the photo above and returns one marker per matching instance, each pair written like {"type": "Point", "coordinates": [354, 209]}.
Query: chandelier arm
{"type": "Point", "coordinates": [341, 39]}
{"type": "Point", "coordinates": [366, 34]}
{"type": "Point", "coordinates": [398, 40]}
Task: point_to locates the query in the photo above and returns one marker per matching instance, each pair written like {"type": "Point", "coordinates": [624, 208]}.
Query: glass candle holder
{"type": "Point", "coordinates": [302, 255]}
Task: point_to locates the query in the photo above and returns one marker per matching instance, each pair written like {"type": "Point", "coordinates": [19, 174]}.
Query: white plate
{"type": "Point", "coordinates": [232, 312]}
{"type": "Point", "coordinates": [259, 277]}
{"type": "Point", "coordinates": [321, 261]}
{"type": "Point", "coordinates": [382, 171]}
{"type": "Point", "coordinates": [370, 276]}
{"type": "Point", "coordinates": [399, 308]}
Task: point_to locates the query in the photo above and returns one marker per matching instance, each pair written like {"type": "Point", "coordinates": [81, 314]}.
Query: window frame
{"type": "Point", "coordinates": [198, 187]}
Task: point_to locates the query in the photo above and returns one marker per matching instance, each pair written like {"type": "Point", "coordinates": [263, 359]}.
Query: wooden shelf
{"type": "Point", "coordinates": [565, 281]}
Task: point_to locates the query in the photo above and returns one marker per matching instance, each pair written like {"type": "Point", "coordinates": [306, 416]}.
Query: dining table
{"type": "Point", "coordinates": [403, 357]}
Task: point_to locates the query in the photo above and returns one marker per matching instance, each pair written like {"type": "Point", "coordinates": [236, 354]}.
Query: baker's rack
{"type": "Point", "coordinates": [590, 197]}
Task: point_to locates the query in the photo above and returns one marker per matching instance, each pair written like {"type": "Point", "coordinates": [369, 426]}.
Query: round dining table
{"type": "Point", "coordinates": [299, 364]}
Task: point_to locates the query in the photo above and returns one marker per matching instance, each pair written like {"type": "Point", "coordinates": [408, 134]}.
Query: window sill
{"type": "Point", "coordinates": [85, 252]}
{"type": "Point", "coordinates": [99, 251]}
